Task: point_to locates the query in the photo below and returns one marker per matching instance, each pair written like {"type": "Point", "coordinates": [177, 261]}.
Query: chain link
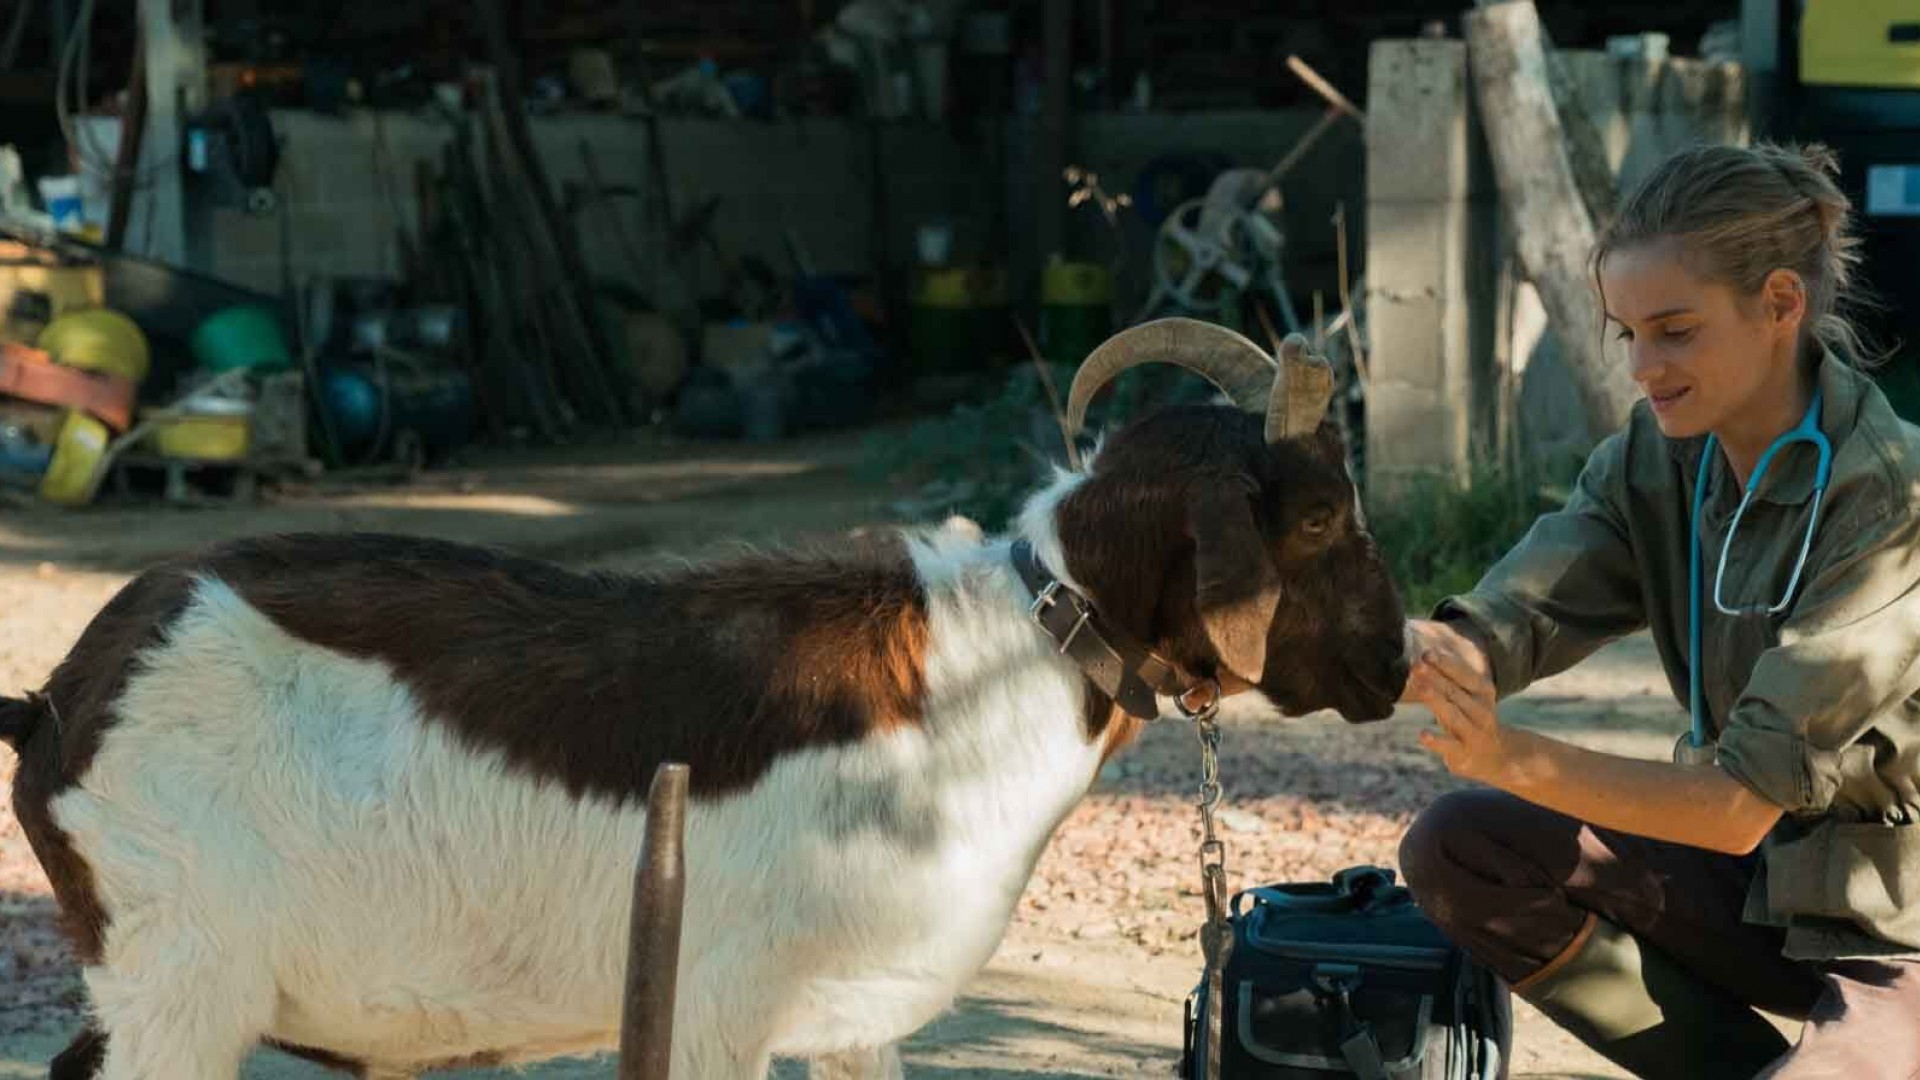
{"type": "Point", "coordinates": [1216, 937]}
{"type": "Point", "coordinates": [1213, 852]}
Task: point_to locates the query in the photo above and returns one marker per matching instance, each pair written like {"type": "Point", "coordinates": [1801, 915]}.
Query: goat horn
{"type": "Point", "coordinates": [1301, 389]}
{"type": "Point", "coordinates": [1238, 367]}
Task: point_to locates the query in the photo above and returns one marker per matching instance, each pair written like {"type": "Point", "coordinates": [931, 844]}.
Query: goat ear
{"type": "Point", "coordinates": [1234, 578]}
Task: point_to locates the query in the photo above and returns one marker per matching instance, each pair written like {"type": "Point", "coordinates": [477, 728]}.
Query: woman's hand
{"type": "Point", "coordinates": [1682, 804]}
{"type": "Point", "coordinates": [1471, 740]}
{"type": "Point", "coordinates": [1427, 643]}
{"type": "Point", "coordinates": [1453, 679]}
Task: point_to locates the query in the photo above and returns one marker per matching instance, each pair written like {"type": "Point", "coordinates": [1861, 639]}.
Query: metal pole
{"type": "Point", "coordinates": [653, 942]}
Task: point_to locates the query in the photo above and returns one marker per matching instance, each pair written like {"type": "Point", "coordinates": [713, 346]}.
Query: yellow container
{"type": "Point", "coordinates": [98, 339]}
{"type": "Point", "coordinates": [202, 438]}
{"type": "Point", "coordinates": [1076, 284]}
{"type": "Point", "coordinates": [77, 456]}
{"type": "Point", "coordinates": [1864, 43]}
{"type": "Point", "coordinates": [962, 287]}
{"type": "Point", "coordinates": [36, 286]}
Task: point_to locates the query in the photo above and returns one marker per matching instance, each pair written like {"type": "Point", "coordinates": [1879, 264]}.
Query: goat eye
{"type": "Point", "coordinates": [1317, 523]}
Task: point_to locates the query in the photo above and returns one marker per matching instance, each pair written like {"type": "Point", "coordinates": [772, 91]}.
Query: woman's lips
{"type": "Point", "coordinates": [1667, 399]}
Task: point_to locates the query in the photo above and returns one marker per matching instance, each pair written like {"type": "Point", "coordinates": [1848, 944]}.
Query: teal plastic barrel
{"type": "Point", "coordinates": [241, 336]}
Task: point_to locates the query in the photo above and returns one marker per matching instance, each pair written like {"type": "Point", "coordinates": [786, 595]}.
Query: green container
{"type": "Point", "coordinates": [242, 336]}
{"type": "Point", "coordinates": [1076, 312]}
{"type": "Point", "coordinates": [958, 321]}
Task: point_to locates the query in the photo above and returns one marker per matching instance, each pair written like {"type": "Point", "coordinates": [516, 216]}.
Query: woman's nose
{"type": "Point", "coordinates": [1642, 362]}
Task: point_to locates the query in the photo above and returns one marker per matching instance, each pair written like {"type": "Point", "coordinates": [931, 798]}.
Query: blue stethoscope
{"type": "Point", "coordinates": [1697, 747]}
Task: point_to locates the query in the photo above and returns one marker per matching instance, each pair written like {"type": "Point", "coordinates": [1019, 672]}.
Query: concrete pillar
{"type": "Point", "coordinates": [176, 88]}
{"type": "Point", "coordinates": [1430, 263]}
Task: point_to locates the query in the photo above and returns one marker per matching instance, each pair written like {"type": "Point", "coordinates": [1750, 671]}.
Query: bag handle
{"type": "Point", "coordinates": [1354, 889]}
{"type": "Point", "coordinates": [1363, 883]}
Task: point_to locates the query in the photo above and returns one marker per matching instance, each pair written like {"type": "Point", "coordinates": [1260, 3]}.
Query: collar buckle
{"type": "Point", "coordinates": [1209, 693]}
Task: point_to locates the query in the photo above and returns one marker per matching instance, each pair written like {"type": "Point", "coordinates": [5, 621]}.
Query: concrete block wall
{"type": "Point", "coordinates": [348, 182]}
{"type": "Point", "coordinates": [1463, 362]}
{"type": "Point", "coordinates": [1430, 199]}
{"type": "Point", "coordinates": [348, 185]}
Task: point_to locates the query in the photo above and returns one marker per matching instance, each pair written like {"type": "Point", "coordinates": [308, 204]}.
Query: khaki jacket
{"type": "Point", "coordinates": [1815, 708]}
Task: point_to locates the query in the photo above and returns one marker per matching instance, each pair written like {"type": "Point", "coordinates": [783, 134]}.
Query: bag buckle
{"type": "Point", "coordinates": [1337, 981]}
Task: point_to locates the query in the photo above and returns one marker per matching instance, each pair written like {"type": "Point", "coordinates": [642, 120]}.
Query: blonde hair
{"type": "Point", "coordinates": [1741, 212]}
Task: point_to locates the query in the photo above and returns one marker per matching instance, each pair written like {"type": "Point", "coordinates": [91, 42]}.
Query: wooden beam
{"type": "Point", "coordinates": [1552, 226]}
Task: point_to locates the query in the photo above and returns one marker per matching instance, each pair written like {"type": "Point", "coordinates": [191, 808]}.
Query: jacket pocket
{"type": "Point", "coordinates": [1864, 872]}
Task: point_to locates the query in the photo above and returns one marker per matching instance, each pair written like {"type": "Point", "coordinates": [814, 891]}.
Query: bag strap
{"type": "Point", "coordinates": [1357, 1045]}
{"type": "Point", "coordinates": [1363, 1055]}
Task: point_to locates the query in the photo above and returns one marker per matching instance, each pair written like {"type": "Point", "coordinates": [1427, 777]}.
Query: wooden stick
{"type": "Point", "coordinates": [1053, 395]}
{"type": "Point", "coordinates": [653, 939]}
{"type": "Point", "coordinates": [133, 130]}
{"type": "Point", "coordinates": [510, 95]}
{"type": "Point", "coordinates": [1325, 89]}
{"type": "Point", "coordinates": [1346, 297]}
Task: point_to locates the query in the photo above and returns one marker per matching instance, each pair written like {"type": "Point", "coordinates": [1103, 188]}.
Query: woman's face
{"type": "Point", "coordinates": [1705, 357]}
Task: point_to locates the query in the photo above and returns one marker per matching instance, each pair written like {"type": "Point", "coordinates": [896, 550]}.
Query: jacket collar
{"type": "Point", "coordinates": [1844, 391]}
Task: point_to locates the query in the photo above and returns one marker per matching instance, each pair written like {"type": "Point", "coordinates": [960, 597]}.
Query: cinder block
{"type": "Point", "coordinates": [1410, 430]}
{"type": "Point", "coordinates": [1407, 341]}
{"type": "Point", "coordinates": [1410, 247]}
{"type": "Point", "coordinates": [1417, 121]}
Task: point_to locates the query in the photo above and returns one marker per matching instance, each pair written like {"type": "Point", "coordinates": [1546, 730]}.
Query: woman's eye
{"type": "Point", "coordinates": [1679, 335]}
{"type": "Point", "coordinates": [1318, 524]}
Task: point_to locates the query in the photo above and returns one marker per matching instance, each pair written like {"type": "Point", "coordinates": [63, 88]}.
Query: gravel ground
{"type": "Point", "coordinates": [1101, 953]}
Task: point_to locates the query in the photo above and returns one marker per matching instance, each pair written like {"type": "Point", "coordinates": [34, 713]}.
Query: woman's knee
{"type": "Point", "coordinates": [1464, 840]}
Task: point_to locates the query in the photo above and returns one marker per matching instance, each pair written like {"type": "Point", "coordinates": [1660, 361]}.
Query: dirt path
{"type": "Point", "coordinates": [1090, 979]}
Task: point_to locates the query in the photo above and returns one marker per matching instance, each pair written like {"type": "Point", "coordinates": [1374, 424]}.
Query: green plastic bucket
{"type": "Point", "coordinates": [242, 336]}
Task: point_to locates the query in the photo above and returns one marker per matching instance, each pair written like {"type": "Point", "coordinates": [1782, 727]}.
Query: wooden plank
{"type": "Point", "coordinates": [1553, 229]}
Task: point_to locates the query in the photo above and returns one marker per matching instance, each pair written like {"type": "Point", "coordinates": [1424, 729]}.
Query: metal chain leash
{"type": "Point", "coordinates": [1216, 936]}
{"type": "Point", "coordinates": [1213, 851]}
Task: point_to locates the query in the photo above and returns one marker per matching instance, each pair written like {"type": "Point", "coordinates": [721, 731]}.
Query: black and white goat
{"type": "Point", "coordinates": [377, 800]}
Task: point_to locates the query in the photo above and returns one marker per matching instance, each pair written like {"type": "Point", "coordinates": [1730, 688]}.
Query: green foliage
{"type": "Point", "coordinates": [983, 459]}
{"type": "Point", "coordinates": [1440, 535]}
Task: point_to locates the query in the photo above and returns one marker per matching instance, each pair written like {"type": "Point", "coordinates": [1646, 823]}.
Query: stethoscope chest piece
{"type": "Point", "coordinates": [1688, 752]}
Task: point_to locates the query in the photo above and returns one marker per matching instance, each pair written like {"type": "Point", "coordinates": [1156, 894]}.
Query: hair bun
{"type": "Point", "coordinates": [1820, 158]}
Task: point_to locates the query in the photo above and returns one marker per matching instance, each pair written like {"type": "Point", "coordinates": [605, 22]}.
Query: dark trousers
{"type": "Point", "coordinates": [1515, 884]}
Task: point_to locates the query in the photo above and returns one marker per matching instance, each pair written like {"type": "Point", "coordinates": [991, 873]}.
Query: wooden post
{"type": "Point", "coordinates": [653, 942]}
{"type": "Point", "coordinates": [1538, 187]}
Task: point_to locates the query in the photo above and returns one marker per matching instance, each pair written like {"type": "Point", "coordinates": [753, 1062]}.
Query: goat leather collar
{"type": "Point", "coordinates": [1116, 664]}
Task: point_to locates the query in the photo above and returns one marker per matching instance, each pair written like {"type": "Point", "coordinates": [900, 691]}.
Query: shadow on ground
{"type": "Point", "coordinates": [568, 504]}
